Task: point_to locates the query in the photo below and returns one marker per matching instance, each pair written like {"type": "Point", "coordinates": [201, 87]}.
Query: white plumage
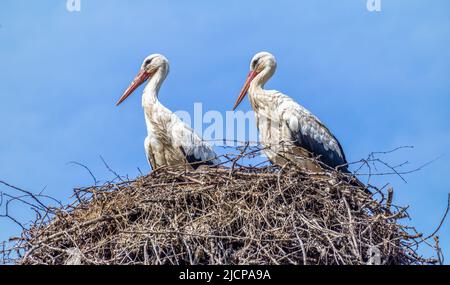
{"type": "Point", "coordinates": [288, 131]}
{"type": "Point", "coordinates": [169, 141]}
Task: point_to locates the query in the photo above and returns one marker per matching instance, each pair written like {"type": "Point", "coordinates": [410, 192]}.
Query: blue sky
{"type": "Point", "coordinates": [378, 80]}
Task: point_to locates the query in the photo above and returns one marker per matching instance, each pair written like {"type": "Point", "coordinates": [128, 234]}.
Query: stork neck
{"type": "Point", "coordinates": [150, 96]}
{"type": "Point", "coordinates": [260, 80]}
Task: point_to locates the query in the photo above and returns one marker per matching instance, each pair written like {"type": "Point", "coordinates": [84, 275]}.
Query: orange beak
{"type": "Point", "coordinates": [142, 76]}
{"type": "Point", "coordinates": [244, 90]}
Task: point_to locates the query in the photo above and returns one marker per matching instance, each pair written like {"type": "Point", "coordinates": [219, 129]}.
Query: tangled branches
{"type": "Point", "coordinates": [223, 215]}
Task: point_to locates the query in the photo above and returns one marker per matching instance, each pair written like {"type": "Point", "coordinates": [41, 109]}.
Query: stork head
{"type": "Point", "coordinates": [262, 60]}
{"type": "Point", "coordinates": [262, 67]}
{"type": "Point", "coordinates": [151, 64]}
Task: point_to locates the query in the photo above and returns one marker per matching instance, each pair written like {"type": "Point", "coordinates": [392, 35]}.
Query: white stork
{"type": "Point", "coordinates": [169, 142]}
{"type": "Point", "coordinates": [287, 130]}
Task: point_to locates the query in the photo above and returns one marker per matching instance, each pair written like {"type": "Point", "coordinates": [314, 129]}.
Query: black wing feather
{"type": "Point", "coordinates": [314, 141]}
{"type": "Point", "coordinates": [195, 162]}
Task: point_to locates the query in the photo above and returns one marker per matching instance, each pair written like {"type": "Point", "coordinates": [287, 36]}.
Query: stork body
{"type": "Point", "coordinates": [288, 131]}
{"type": "Point", "coordinates": [169, 142]}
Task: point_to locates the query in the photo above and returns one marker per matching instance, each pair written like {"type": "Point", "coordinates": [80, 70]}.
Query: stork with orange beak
{"type": "Point", "coordinates": [288, 131]}
{"type": "Point", "coordinates": [169, 142]}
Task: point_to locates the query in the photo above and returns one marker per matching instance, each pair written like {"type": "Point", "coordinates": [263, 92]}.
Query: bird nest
{"type": "Point", "coordinates": [234, 215]}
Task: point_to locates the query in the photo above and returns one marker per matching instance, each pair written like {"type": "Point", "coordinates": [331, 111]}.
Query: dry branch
{"type": "Point", "coordinates": [224, 215]}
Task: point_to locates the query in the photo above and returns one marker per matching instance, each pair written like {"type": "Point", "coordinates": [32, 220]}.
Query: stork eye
{"type": "Point", "coordinates": [148, 61]}
{"type": "Point", "coordinates": [254, 63]}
